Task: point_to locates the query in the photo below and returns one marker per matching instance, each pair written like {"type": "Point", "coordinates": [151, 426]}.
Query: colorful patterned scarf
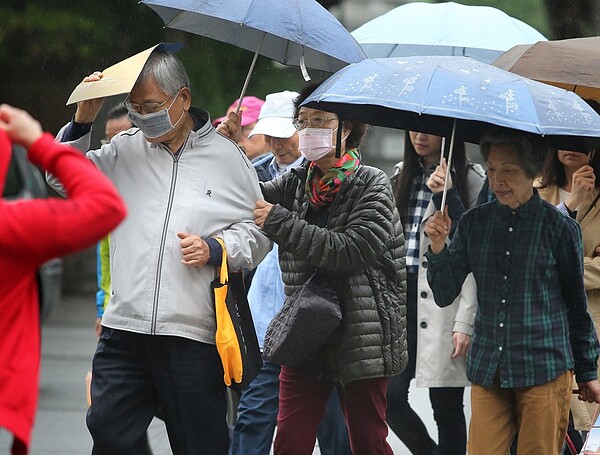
{"type": "Point", "coordinates": [321, 190]}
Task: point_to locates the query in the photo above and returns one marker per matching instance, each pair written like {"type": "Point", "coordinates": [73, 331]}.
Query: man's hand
{"type": "Point", "coordinates": [194, 249]}
{"type": "Point", "coordinates": [87, 111]}
{"type": "Point", "coordinates": [461, 342]}
{"type": "Point", "coordinates": [231, 127]}
{"type": "Point", "coordinates": [437, 178]}
{"type": "Point", "coordinates": [437, 229]}
{"type": "Point", "coordinates": [21, 127]}
{"type": "Point", "coordinates": [583, 182]}
{"type": "Point", "coordinates": [262, 210]}
{"type": "Point", "coordinates": [589, 391]}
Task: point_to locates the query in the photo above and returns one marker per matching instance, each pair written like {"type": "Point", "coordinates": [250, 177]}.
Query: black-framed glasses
{"type": "Point", "coordinates": [148, 108]}
{"type": "Point", "coordinates": [313, 122]}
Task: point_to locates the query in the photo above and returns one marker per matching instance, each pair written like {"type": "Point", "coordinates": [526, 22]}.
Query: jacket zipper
{"type": "Point", "coordinates": [163, 241]}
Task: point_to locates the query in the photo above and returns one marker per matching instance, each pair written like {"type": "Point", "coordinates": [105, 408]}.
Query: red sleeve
{"type": "Point", "coordinates": [39, 229]}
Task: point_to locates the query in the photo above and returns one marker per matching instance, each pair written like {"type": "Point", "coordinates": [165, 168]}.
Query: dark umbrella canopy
{"type": "Point", "coordinates": [572, 64]}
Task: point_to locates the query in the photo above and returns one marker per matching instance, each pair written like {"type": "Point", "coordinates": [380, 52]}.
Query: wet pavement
{"type": "Point", "coordinates": [68, 344]}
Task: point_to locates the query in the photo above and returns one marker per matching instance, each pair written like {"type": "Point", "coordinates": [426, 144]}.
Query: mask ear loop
{"type": "Point", "coordinates": [338, 140]}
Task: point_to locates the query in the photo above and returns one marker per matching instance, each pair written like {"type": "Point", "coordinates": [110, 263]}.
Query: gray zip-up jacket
{"type": "Point", "coordinates": [210, 189]}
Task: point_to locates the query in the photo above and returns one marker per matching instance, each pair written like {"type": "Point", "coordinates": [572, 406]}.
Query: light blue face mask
{"type": "Point", "coordinates": [155, 124]}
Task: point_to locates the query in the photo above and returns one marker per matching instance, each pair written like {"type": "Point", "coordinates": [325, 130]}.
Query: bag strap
{"type": "Point", "coordinates": [592, 205]}
{"type": "Point", "coordinates": [223, 274]}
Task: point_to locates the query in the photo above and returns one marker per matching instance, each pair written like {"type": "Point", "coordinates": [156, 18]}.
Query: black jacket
{"type": "Point", "coordinates": [362, 252]}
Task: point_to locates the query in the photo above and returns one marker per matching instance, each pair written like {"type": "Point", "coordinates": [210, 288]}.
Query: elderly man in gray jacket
{"type": "Point", "coordinates": [184, 185]}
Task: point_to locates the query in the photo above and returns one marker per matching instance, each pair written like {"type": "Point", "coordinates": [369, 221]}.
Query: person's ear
{"type": "Point", "coordinates": [186, 96]}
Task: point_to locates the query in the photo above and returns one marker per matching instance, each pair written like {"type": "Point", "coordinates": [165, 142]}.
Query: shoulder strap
{"type": "Point", "coordinates": [592, 205]}
{"type": "Point", "coordinates": [223, 274]}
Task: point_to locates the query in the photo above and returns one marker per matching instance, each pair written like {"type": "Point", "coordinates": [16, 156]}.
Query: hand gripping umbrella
{"type": "Point", "coordinates": [293, 32]}
{"type": "Point", "coordinates": [448, 28]}
{"type": "Point", "coordinates": [456, 97]}
{"type": "Point", "coordinates": [573, 64]}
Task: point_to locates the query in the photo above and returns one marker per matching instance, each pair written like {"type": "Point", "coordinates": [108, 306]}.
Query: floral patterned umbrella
{"type": "Point", "coordinates": [441, 95]}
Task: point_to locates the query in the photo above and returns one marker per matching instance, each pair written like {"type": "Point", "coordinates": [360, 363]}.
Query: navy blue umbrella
{"type": "Point", "coordinates": [293, 32]}
{"type": "Point", "coordinates": [456, 97]}
{"type": "Point", "coordinates": [439, 95]}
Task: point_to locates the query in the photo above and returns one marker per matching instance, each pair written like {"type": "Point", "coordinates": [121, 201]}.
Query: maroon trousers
{"type": "Point", "coordinates": [302, 402]}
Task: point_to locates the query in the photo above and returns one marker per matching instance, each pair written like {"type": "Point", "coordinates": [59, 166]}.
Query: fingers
{"type": "Point", "coordinates": [94, 77]}
{"type": "Point", "coordinates": [461, 342]}
{"type": "Point", "coordinates": [194, 249]}
{"type": "Point", "coordinates": [21, 127]}
{"type": "Point", "coordinates": [231, 127]}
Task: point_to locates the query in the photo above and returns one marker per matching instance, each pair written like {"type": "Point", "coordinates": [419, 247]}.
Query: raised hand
{"type": "Point", "coordinates": [21, 127]}
{"type": "Point", "coordinates": [583, 182]}
{"type": "Point", "coordinates": [231, 127]}
{"type": "Point", "coordinates": [437, 178]}
{"type": "Point", "coordinates": [87, 110]}
{"type": "Point", "coordinates": [437, 229]}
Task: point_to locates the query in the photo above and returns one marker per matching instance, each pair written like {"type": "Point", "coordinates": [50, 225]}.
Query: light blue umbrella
{"type": "Point", "coordinates": [428, 93]}
{"type": "Point", "coordinates": [456, 97]}
{"type": "Point", "coordinates": [293, 32]}
{"type": "Point", "coordinates": [418, 28]}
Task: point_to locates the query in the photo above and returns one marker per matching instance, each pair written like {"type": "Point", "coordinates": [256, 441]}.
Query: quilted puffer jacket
{"type": "Point", "coordinates": [362, 252]}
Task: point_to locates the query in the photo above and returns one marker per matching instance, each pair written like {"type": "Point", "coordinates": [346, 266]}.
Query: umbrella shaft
{"type": "Point", "coordinates": [247, 81]}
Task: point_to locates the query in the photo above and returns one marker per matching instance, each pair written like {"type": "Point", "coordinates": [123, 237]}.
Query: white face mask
{"type": "Point", "coordinates": [155, 124]}
{"type": "Point", "coordinates": [315, 143]}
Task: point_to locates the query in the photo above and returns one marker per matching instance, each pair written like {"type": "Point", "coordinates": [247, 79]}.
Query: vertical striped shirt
{"type": "Point", "coordinates": [532, 322]}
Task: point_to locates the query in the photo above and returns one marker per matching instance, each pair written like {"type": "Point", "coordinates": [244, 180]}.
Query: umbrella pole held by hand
{"type": "Point", "coordinates": [448, 163]}
{"type": "Point", "coordinates": [247, 81]}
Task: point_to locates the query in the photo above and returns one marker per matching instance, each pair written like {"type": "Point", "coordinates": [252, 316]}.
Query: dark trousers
{"type": "Point", "coordinates": [447, 402]}
{"type": "Point", "coordinates": [133, 374]}
{"type": "Point", "coordinates": [302, 402]}
{"type": "Point", "coordinates": [257, 418]}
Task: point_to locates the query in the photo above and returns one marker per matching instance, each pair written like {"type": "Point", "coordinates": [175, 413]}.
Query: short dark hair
{"type": "Point", "coordinates": [530, 148]}
{"type": "Point", "coordinates": [358, 130]}
{"type": "Point", "coordinates": [117, 111]}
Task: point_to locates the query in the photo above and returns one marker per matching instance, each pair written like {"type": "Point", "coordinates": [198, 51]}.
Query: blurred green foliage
{"type": "Point", "coordinates": [47, 47]}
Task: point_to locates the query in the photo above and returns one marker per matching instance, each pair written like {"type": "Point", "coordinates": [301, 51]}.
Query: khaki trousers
{"type": "Point", "coordinates": [539, 414]}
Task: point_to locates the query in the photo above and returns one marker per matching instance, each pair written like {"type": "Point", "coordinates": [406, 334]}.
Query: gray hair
{"type": "Point", "coordinates": [530, 148]}
{"type": "Point", "coordinates": [166, 70]}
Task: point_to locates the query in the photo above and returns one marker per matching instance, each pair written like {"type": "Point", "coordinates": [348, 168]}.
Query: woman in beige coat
{"type": "Point", "coordinates": [569, 181]}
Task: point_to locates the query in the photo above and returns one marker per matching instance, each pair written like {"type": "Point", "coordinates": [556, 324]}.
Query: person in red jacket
{"type": "Point", "coordinates": [31, 232]}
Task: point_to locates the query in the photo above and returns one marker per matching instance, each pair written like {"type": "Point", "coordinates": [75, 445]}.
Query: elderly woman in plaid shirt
{"type": "Point", "coordinates": [532, 327]}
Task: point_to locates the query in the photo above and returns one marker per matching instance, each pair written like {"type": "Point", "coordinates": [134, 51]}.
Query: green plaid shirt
{"type": "Point", "coordinates": [532, 322]}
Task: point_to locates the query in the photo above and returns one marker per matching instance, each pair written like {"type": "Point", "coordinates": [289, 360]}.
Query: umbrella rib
{"type": "Point", "coordinates": [174, 18]}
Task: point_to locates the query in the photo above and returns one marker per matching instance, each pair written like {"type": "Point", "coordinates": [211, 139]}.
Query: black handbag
{"type": "Point", "coordinates": [301, 327]}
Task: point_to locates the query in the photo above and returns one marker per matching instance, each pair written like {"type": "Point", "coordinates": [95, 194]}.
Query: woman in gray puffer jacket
{"type": "Point", "coordinates": [339, 216]}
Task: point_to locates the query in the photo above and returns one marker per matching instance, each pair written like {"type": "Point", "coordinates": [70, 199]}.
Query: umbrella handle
{"type": "Point", "coordinates": [448, 164]}
{"type": "Point", "coordinates": [247, 81]}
